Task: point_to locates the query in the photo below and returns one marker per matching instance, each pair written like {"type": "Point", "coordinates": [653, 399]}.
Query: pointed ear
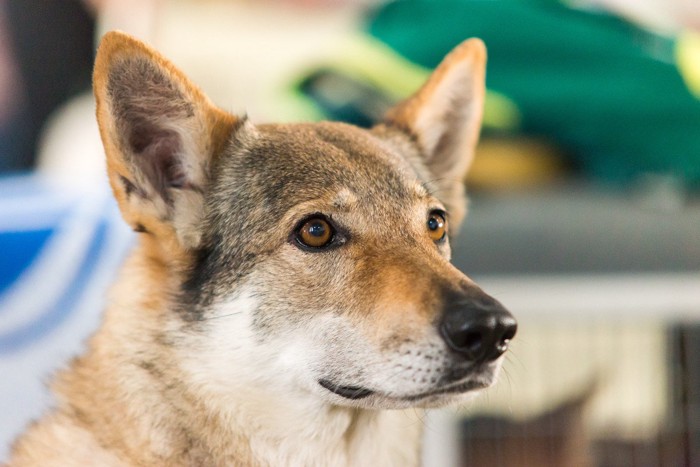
{"type": "Point", "coordinates": [444, 118]}
{"type": "Point", "coordinates": [160, 135]}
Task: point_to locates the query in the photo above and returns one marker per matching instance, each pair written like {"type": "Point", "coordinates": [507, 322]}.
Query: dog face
{"type": "Point", "coordinates": [306, 259]}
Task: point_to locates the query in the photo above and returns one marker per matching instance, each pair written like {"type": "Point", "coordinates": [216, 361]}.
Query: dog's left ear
{"type": "Point", "coordinates": [444, 118]}
{"type": "Point", "coordinates": [161, 135]}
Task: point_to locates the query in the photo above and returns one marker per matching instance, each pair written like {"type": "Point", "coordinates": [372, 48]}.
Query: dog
{"type": "Point", "coordinates": [290, 290]}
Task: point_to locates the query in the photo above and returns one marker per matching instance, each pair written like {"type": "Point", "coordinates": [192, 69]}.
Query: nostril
{"type": "Point", "coordinates": [508, 330]}
{"type": "Point", "coordinates": [467, 338]}
{"type": "Point", "coordinates": [510, 333]}
{"type": "Point", "coordinates": [473, 342]}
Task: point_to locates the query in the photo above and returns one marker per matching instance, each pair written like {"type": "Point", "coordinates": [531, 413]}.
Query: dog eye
{"type": "Point", "coordinates": [316, 232]}
{"type": "Point", "coordinates": [437, 226]}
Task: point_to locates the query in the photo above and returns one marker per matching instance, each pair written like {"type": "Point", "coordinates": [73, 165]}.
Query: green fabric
{"type": "Point", "coordinates": [372, 71]}
{"type": "Point", "coordinates": [606, 90]}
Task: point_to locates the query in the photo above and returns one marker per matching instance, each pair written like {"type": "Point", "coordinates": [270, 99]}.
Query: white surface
{"type": "Point", "coordinates": [441, 438]}
{"type": "Point", "coordinates": [664, 296]}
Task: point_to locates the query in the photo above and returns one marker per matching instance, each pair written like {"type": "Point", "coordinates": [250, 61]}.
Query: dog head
{"type": "Point", "coordinates": [309, 259]}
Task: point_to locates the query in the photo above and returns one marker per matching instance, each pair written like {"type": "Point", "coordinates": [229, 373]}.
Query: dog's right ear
{"type": "Point", "coordinates": [160, 133]}
{"type": "Point", "coordinates": [444, 118]}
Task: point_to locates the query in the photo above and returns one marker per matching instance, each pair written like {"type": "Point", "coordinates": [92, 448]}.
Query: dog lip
{"type": "Point", "coordinates": [358, 392]}
{"type": "Point", "coordinates": [462, 387]}
{"type": "Point", "coordinates": [348, 392]}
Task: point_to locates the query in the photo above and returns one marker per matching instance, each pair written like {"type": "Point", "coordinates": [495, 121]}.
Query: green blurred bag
{"type": "Point", "coordinates": [609, 92]}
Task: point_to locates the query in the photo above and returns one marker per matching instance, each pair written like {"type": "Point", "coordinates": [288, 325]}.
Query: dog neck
{"type": "Point", "coordinates": [292, 432]}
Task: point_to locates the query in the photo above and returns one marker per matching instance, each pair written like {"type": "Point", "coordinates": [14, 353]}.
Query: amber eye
{"type": "Point", "coordinates": [437, 225]}
{"type": "Point", "coordinates": [315, 233]}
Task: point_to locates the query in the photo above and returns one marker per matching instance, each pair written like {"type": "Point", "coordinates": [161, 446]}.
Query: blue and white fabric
{"type": "Point", "coordinates": [59, 251]}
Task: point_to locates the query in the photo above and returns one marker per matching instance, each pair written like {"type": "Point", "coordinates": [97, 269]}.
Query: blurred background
{"type": "Point", "coordinates": [585, 194]}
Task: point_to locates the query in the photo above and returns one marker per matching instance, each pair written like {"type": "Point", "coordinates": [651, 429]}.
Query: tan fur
{"type": "Point", "coordinates": [220, 326]}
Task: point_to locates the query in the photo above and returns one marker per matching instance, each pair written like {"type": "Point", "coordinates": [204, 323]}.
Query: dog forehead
{"type": "Point", "coordinates": [289, 164]}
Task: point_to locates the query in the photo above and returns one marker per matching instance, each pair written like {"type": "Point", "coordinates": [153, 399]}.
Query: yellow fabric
{"type": "Point", "coordinates": [688, 59]}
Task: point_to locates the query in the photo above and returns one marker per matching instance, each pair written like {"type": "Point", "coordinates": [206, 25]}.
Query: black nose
{"type": "Point", "coordinates": [479, 329]}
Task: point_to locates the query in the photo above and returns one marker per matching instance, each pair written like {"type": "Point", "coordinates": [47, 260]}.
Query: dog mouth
{"type": "Point", "coordinates": [460, 388]}
{"type": "Point", "coordinates": [348, 392]}
{"type": "Point", "coordinates": [359, 392]}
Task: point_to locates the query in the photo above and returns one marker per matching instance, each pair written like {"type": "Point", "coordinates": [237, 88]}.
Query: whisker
{"type": "Point", "coordinates": [221, 316]}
